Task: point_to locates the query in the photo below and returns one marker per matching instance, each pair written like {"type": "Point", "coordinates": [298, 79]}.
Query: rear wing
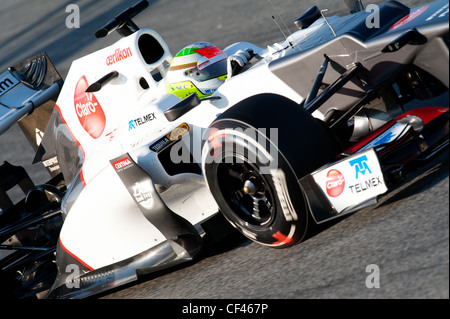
{"type": "Point", "coordinates": [28, 92]}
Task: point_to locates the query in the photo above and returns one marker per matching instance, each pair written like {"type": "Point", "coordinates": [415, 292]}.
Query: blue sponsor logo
{"type": "Point", "coordinates": [131, 125]}
{"type": "Point", "coordinates": [360, 165]}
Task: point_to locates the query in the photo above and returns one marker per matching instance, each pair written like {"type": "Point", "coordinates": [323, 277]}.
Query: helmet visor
{"type": "Point", "coordinates": [215, 70]}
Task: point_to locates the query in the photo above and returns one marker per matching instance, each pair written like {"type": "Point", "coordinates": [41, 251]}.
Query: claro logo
{"type": "Point", "coordinates": [335, 183]}
{"type": "Point", "coordinates": [88, 109]}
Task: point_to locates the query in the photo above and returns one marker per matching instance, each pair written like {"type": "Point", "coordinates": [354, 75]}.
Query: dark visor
{"type": "Point", "coordinates": [213, 71]}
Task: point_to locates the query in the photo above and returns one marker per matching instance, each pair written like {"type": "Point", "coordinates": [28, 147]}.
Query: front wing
{"type": "Point", "coordinates": [371, 167]}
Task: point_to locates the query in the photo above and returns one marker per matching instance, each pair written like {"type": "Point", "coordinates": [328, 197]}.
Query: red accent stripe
{"type": "Point", "coordinates": [75, 257]}
{"type": "Point", "coordinates": [426, 114]}
{"type": "Point", "coordinates": [282, 239]}
{"type": "Point", "coordinates": [76, 141]}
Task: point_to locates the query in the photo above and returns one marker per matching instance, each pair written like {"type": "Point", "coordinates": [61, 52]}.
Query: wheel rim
{"type": "Point", "coordinates": [246, 191]}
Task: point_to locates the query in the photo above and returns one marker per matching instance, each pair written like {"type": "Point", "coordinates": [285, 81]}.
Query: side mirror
{"type": "Point", "coordinates": [354, 5]}
{"type": "Point", "coordinates": [122, 23]}
{"type": "Point", "coordinates": [182, 107]}
{"type": "Point", "coordinates": [307, 18]}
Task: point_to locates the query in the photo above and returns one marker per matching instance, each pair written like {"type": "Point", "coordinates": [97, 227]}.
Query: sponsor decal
{"type": "Point", "coordinates": [410, 17]}
{"type": "Point", "coordinates": [279, 180]}
{"type": "Point", "coordinates": [118, 55]}
{"type": "Point", "coordinates": [7, 82]}
{"type": "Point", "coordinates": [360, 165]}
{"type": "Point", "coordinates": [178, 132]}
{"type": "Point", "coordinates": [397, 131]}
{"type": "Point", "coordinates": [142, 193]}
{"type": "Point", "coordinates": [160, 144]}
{"type": "Point", "coordinates": [442, 12]}
{"type": "Point", "coordinates": [181, 86]}
{"type": "Point", "coordinates": [51, 164]}
{"type": "Point", "coordinates": [88, 109]}
{"type": "Point", "coordinates": [352, 182]}
{"type": "Point", "coordinates": [122, 164]}
{"type": "Point", "coordinates": [170, 138]}
{"type": "Point", "coordinates": [366, 185]}
{"type": "Point", "coordinates": [335, 183]}
{"type": "Point", "coordinates": [141, 121]}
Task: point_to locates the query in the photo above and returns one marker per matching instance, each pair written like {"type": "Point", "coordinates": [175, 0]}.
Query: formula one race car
{"type": "Point", "coordinates": [310, 129]}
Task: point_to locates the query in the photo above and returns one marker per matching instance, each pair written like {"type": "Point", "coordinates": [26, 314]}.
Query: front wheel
{"type": "Point", "coordinates": [252, 160]}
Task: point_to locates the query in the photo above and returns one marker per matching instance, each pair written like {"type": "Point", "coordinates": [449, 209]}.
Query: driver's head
{"type": "Point", "coordinates": [198, 68]}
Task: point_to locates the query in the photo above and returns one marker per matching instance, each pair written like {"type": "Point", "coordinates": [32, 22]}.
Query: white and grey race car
{"type": "Point", "coordinates": [311, 129]}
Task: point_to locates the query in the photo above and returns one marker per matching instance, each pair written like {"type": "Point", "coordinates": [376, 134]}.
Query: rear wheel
{"type": "Point", "coordinates": [252, 160]}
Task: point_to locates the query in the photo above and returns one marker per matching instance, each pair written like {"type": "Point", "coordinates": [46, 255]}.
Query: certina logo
{"type": "Point", "coordinates": [88, 109]}
{"type": "Point", "coordinates": [7, 82]}
{"type": "Point", "coordinates": [122, 163]}
{"type": "Point", "coordinates": [118, 56]}
{"type": "Point", "coordinates": [335, 183]}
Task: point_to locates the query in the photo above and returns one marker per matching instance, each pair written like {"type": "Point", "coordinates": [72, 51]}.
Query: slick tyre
{"type": "Point", "coordinates": [252, 159]}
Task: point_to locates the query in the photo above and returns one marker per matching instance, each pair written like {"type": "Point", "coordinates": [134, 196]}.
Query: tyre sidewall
{"type": "Point", "coordinates": [290, 220]}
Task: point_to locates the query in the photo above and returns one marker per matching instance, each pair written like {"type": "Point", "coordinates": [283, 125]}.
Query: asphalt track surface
{"type": "Point", "coordinates": [406, 234]}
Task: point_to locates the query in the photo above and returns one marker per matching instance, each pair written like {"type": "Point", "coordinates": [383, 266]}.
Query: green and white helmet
{"type": "Point", "coordinates": [198, 68]}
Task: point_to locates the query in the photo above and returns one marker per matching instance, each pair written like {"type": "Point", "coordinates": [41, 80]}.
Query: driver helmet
{"type": "Point", "coordinates": [198, 68]}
